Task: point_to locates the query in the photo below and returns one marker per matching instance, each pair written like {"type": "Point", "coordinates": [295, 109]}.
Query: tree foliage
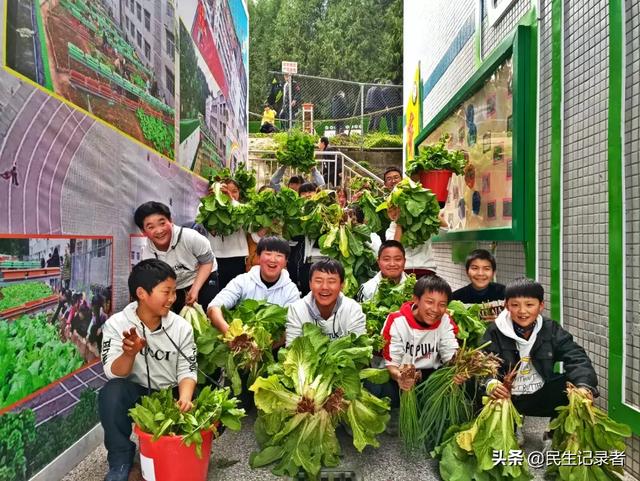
{"type": "Point", "coordinates": [357, 40]}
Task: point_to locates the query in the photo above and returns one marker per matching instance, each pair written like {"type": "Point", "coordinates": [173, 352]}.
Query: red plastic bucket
{"type": "Point", "coordinates": [167, 459]}
{"type": "Point", "coordinates": [437, 181]}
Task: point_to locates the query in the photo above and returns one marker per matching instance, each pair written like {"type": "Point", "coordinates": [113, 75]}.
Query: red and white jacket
{"type": "Point", "coordinates": [408, 342]}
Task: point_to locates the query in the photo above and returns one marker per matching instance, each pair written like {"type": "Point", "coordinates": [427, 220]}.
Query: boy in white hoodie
{"type": "Point", "coordinates": [145, 348]}
{"type": "Point", "coordinates": [524, 339]}
{"type": "Point", "coordinates": [267, 281]}
{"type": "Point", "coordinates": [326, 306]}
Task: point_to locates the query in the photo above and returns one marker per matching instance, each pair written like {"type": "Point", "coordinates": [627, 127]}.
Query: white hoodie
{"type": "Point", "coordinates": [527, 379]}
{"type": "Point", "coordinates": [347, 317]}
{"type": "Point", "coordinates": [167, 366]}
{"type": "Point", "coordinates": [250, 286]}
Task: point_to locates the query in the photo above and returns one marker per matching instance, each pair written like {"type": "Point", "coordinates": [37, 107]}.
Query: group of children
{"type": "Point", "coordinates": [147, 347]}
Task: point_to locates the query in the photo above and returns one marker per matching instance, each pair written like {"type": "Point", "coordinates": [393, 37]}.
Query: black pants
{"type": "Point", "coordinates": [228, 268]}
{"type": "Point", "coordinates": [116, 397]}
{"type": "Point", "coordinates": [207, 292]}
{"type": "Point", "coordinates": [544, 401]}
{"type": "Point", "coordinates": [267, 128]}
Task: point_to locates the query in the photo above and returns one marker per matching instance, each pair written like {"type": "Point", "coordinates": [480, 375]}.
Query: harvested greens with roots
{"type": "Point", "coordinates": [467, 452]}
{"type": "Point", "coordinates": [316, 384]}
{"type": "Point", "coordinates": [409, 425]}
{"type": "Point", "coordinates": [582, 428]}
{"type": "Point", "coordinates": [444, 402]}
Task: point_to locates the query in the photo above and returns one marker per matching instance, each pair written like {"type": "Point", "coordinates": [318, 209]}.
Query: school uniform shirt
{"type": "Point", "coordinates": [234, 245]}
{"type": "Point", "coordinates": [527, 380]}
{"type": "Point", "coordinates": [347, 317]}
{"type": "Point", "coordinates": [250, 286]}
{"type": "Point", "coordinates": [369, 288]}
{"type": "Point", "coordinates": [418, 257]}
{"type": "Point", "coordinates": [187, 251]}
{"type": "Point", "coordinates": [167, 367]}
{"type": "Point", "coordinates": [408, 342]}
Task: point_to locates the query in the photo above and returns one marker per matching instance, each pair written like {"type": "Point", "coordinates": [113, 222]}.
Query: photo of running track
{"type": "Point", "coordinates": [117, 64]}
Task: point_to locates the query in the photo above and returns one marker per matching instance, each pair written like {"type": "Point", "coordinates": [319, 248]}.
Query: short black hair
{"type": "Point", "coordinates": [388, 244]}
{"type": "Point", "coordinates": [148, 274]}
{"type": "Point", "coordinates": [324, 140]}
{"type": "Point", "coordinates": [329, 266]}
{"type": "Point", "coordinates": [307, 187]}
{"type": "Point", "coordinates": [481, 254]}
{"type": "Point", "coordinates": [524, 287]}
{"type": "Point", "coordinates": [265, 187]}
{"type": "Point", "coordinates": [393, 168]}
{"type": "Point", "coordinates": [273, 244]}
{"type": "Point", "coordinates": [296, 179]}
{"type": "Point", "coordinates": [432, 284]}
{"type": "Point", "coordinates": [149, 208]}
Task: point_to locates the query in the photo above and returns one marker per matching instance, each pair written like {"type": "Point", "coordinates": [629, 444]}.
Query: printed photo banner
{"type": "Point", "coordinates": [482, 127]}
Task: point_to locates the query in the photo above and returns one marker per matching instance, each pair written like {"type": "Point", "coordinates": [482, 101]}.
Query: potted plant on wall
{"type": "Point", "coordinates": [434, 164]}
{"type": "Point", "coordinates": [174, 445]}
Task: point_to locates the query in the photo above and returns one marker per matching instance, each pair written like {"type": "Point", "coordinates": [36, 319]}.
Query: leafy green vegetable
{"type": "Point", "coordinates": [17, 432]}
{"type": "Point", "coordinates": [277, 212]}
{"type": "Point", "coordinates": [196, 316]}
{"type": "Point", "coordinates": [158, 414]}
{"type": "Point", "coordinates": [444, 402]}
{"type": "Point", "coordinates": [437, 157]}
{"type": "Point", "coordinates": [32, 356]}
{"type": "Point", "coordinates": [315, 385]}
{"type": "Point", "coordinates": [581, 427]}
{"type": "Point", "coordinates": [270, 317]}
{"type": "Point", "coordinates": [297, 151]}
{"type": "Point", "coordinates": [376, 220]}
{"type": "Point", "coordinates": [245, 178]}
{"type": "Point", "coordinates": [15, 295]}
{"type": "Point", "coordinates": [387, 299]}
{"type": "Point", "coordinates": [241, 348]}
{"type": "Point", "coordinates": [320, 213]}
{"type": "Point", "coordinates": [419, 212]}
{"type": "Point", "coordinates": [217, 213]}
{"type": "Point", "coordinates": [161, 135]}
{"type": "Point", "coordinates": [346, 242]}
{"type": "Point", "coordinates": [467, 451]}
{"type": "Point", "coordinates": [470, 327]}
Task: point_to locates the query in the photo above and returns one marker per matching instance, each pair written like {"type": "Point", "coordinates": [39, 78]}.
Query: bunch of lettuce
{"type": "Point", "coordinates": [375, 219]}
{"type": "Point", "coordinates": [319, 214]}
{"type": "Point", "coordinates": [346, 242]}
{"type": "Point", "coordinates": [419, 212]}
{"type": "Point", "coordinates": [159, 415]}
{"type": "Point", "coordinates": [297, 151]}
{"type": "Point", "coordinates": [387, 299]}
{"type": "Point", "coordinates": [218, 214]}
{"type": "Point", "coordinates": [582, 428]}
{"type": "Point", "coordinates": [436, 156]}
{"type": "Point", "coordinates": [274, 211]}
{"type": "Point", "coordinates": [270, 317]}
{"type": "Point", "coordinates": [196, 316]}
{"type": "Point", "coordinates": [316, 384]}
{"type": "Point", "coordinates": [241, 349]}
{"type": "Point", "coordinates": [245, 178]}
{"type": "Point", "coordinates": [470, 327]}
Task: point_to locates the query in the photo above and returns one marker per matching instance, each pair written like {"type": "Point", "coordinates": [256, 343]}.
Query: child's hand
{"type": "Point", "coordinates": [184, 405]}
{"type": "Point", "coordinates": [500, 392]}
{"type": "Point", "coordinates": [192, 296]}
{"type": "Point", "coordinates": [394, 213]}
{"type": "Point", "coordinates": [460, 379]}
{"type": "Point", "coordinates": [132, 344]}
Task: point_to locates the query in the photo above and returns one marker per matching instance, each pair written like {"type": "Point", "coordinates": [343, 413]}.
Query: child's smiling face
{"type": "Point", "coordinates": [524, 310]}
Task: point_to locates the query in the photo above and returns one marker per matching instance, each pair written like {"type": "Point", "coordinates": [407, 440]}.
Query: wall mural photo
{"type": "Point", "coordinates": [213, 88]}
{"type": "Point", "coordinates": [55, 296]}
{"type": "Point", "coordinates": [113, 59]}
